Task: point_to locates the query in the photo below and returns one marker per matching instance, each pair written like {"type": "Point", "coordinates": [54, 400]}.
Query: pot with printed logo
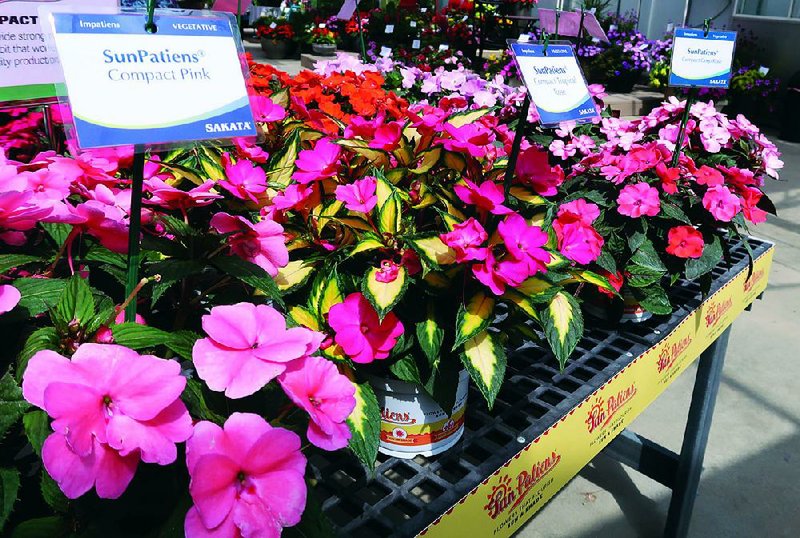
{"type": "Point", "coordinates": [412, 423]}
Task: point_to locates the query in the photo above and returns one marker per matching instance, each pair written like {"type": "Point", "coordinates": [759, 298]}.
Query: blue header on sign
{"type": "Point", "coordinates": [133, 24]}
{"type": "Point", "coordinates": [713, 35]}
{"type": "Point", "coordinates": [536, 50]}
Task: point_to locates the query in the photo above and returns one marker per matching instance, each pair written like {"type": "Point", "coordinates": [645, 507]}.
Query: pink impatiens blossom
{"type": "Point", "coordinates": [577, 241]}
{"type": "Point", "coordinates": [296, 196]}
{"type": "Point", "coordinates": [318, 163]}
{"type": "Point", "coordinates": [111, 407]}
{"type": "Point", "coordinates": [561, 149]}
{"type": "Point", "coordinates": [167, 196]}
{"type": "Point", "coordinates": [261, 243]}
{"type": "Point", "coordinates": [359, 331]}
{"type": "Point", "coordinates": [496, 273]}
{"type": "Point", "coordinates": [9, 298]}
{"type": "Point", "coordinates": [585, 211]}
{"type": "Point", "coordinates": [533, 168]}
{"type": "Point", "coordinates": [705, 175]}
{"type": "Point", "coordinates": [244, 180]}
{"type": "Point", "coordinates": [472, 138]}
{"type": "Point", "coordinates": [246, 479]}
{"type": "Point", "coordinates": [722, 203]}
{"type": "Point", "coordinates": [466, 239]}
{"type": "Point", "coordinates": [388, 272]}
{"type": "Point", "coordinates": [387, 136]}
{"type": "Point", "coordinates": [265, 110]}
{"type": "Point", "coordinates": [637, 200]}
{"type": "Point", "coordinates": [360, 195]}
{"type": "Point", "coordinates": [247, 347]}
{"type": "Point", "coordinates": [524, 242]}
{"type": "Point", "coordinates": [317, 387]}
{"type": "Point", "coordinates": [488, 197]}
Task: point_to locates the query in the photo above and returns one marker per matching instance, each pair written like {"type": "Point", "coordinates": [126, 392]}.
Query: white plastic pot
{"type": "Point", "coordinates": [633, 311]}
{"type": "Point", "coordinates": [412, 423]}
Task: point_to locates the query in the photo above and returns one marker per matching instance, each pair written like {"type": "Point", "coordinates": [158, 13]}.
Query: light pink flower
{"type": "Point", "coordinates": [562, 150]}
{"type": "Point", "coordinates": [247, 347]}
{"type": "Point", "coordinates": [19, 211]}
{"type": "Point", "coordinates": [472, 138]}
{"type": "Point", "coordinates": [316, 386]}
{"type": "Point", "coordinates": [265, 110]}
{"type": "Point", "coordinates": [107, 398]}
{"type": "Point", "coordinates": [9, 298]}
{"type": "Point", "coordinates": [722, 203]}
{"type": "Point", "coordinates": [261, 243]}
{"type": "Point", "coordinates": [360, 195]}
{"type": "Point", "coordinates": [488, 197]}
{"type": "Point", "coordinates": [244, 180]}
{"type": "Point", "coordinates": [246, 479]}
{"type": "Point", "coordinates": [318, 163]}
{"type": "Point", "coordinates": [524, 242]}
{"type": "Point", "coordinates": [637, 200]}
{"type": "Point", "coordinates": [359, 331]}
{"type": "Point", "coordinates": [466, 239]}
{"type": "Point", "coordinates": [496, 274]}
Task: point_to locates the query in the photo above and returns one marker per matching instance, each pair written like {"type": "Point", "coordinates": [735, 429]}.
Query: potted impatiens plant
{"type": "Point", "coordinates": [411, 255]}
{"type": "Point", "coordinates": [276, 35]}
{"type": "Point", "coordinates": [323, 41]}
{"type": "Point", "coordinates": [662, 220]}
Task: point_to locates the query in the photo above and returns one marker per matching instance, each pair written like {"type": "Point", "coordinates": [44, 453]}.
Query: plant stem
{"type": "Point", "coordinates": [134, 241]}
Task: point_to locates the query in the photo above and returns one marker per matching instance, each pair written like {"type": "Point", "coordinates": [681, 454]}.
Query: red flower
{"type": "Point", "coordinates": [685, 242]}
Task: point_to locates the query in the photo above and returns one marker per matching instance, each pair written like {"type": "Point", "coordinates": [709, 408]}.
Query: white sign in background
{"type": "Point", "coordinates": [554, 92]}
{"type": "Point", "coordinates": [700, 60]}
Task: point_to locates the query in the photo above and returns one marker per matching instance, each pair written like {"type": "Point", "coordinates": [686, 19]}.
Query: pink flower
{"type": "Point", "coordinates": [169, 197]}
{"type": "Point", "coordinates": [296, 196]}
{"type": "Point", "coordinates": [562, 150]}
{"type": "Point", "coordinates": [359, 331]}
{"type": "Point", "coordinates": [247, 347]}
{"type": "Point", "coordinates": [705, 175]}
{"type": "Point", "coordinates": [246, 479]}
{"type": "Point", "coordinates": [108, 403]}
{"type": "Point", "coordinates": [261, 243]}
{"type": "Point", "coordinates": [244, 180]}
{"type": "Point", "coordinates": [472, 138]}
{"type": "Point", "coordinates": [9, 298]}
{"type": "Point", "coordinates": [669, 178]}
{"type": "Point", "coordinates": [360, 195]}
{"type": "Point", "coordinates": [318, 163]}
{"type": "Point", "coordinates": [637, 200]}
{"type": "Point", "coordinates": [317, 387]}
{"type": "Point", "coordinates": [576, 240]}
{"type": "Point", "coordinates": [265, 110]}
{"type": "Point", "coordinates": [19, 211]}
{"type": "Point", "coordinates": [488, 197]}
{"type": "Point", "coordinates": [533, 168]}
{"type": "Point", "coordinates": [685, 242]}
{"type": "Point", "coordinates": [387, 136]}
{"type": "Point", "coordinates": [466, 240]}
{"type": "Point", "coordinates": [248, 150]}
{"type": "Point", "coordinates": [750, 198]}
{"type": "Point", "coordinates": [722, 203]}
{"type": "Point", "coordinates": [524, 242]}
{"type": "Point", "coordinates": [584, 211]}
{"type": "Point", "coordinates": [497, 274]}
{"type": "Point", "coordinates": [388, 272]}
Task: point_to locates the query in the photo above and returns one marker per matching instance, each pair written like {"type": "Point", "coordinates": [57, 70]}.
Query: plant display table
{"type": "Point", "coordinates": [546, 425]}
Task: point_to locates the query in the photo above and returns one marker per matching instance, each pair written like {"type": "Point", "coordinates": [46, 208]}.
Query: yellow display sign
{"type": "Point", "coordinates": [503, 502]}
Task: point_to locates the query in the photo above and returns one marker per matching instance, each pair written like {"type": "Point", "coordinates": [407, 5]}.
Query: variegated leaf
{"type": "Point", "coordinates": [563, 325]}
{"type": "Point", "coordinates": [365, 425]}
{"type": "Point", "coordinates": [485, 361]}
{"type": "Point", "coordinates": [384, 295]}
{"type": "Point", "coordinates": [473, 318]}
{"type": "Point", "coordinates": [294, 275]}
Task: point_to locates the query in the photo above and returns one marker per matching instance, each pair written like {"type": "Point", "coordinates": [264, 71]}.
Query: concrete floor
{"type": "Point", "coordinates": [751, 478]}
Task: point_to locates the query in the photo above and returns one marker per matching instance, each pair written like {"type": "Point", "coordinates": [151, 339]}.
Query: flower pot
{"type": "Point", "coordinates": [632, 311]}
{"type": "Point", "coordinates": [275, 50]}
{"type": "Point", "coordinates": [412, 423]}
{"type": "Point", "coordinates": [610, 311]}
{"type": "Point", "coordinates": [323, 49]}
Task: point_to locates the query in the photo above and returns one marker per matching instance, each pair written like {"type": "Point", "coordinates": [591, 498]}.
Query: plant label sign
{"type": "Point", "coordinates": [555, 82]}
{"type": "Point", "coordinates": [28, 66]}
{"type": "Point", "coordinates": [700, 60]}
{"type": "Point", "coordinates": [127, 86]}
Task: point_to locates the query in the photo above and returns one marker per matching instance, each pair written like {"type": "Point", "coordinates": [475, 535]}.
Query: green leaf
{"type": "Point", "coordinates": [76, 303]}
{"type": "Point", "coordinates": [38, 294]}
{"type": "Point", "coordinates": [281, 165]}
{"type": "Point", "coordinates": [647, 257]}
{"type": "Point", "coordinates": [640, 277]}
{"type": "Point", "coordinates": [674, 212]}
{"type": "Point", "coordinates": [182, 343]}
{"type": "Point", "coordinates": [607, 262]}
{"type": "Point", "coordinates": [473, 318]}
{"type": "Point", "coordinates": [459, 119]}
{"type": "Point", "coordinates": [406, 369]}
{"type": "Point", "coordinates": [51, 527]}
{"type": "Point", "coordinates": [136, 336]}
{"type": "Point", "coordinates": [712, 255]}
{"type": "Point", "coordinates": [563, 325]}
{"type": "Point", "coordinates": [249, 273]}
{"type": "Point", "coordinates": [366, 245]}
{"type": "Point", "coordinates": [365, 425]}
{"type": "Point", "coordinates": [37, 428]}
{"type": "Point", "coordinates": [636, 240]}
{"type": "Point", "coordinates": [331, 292]}
{"type": "Point", "coordinates": [195, 400]}
{"type": "Point", "coordinates": [430, 337]}
{"type": "Point", "coordinates": [384, 295]}
{"type": "Point", "coordinates": [485, 360]}
{"type": "Point", "coordinates": [40, 339]}
{"type": "Point", "coordinates": [10, 261]}
{"type": "Point", "coordinates": [52, 494]}
{"type": "Point", "coordinates": [654, 299]}
{"type": "Point", "coordinates": [9, 488]}
{"type": "Point", "coordinates": [99, 253]}
{"type": "Point", "coordinates": [12, 404]}
{"type": "Point", "coordinates": [433, 252]}
{"type": "Point", "coordinates": [593, 278]}
{"type": "Point", "coordinates": [427, 160]}
{"type": "Point", "coordinates": [57, 232]}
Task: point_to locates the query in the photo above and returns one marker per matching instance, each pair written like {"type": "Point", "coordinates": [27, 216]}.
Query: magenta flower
{"type": "Point", "coordinates": [497, 274]}
{"type": "Point", "coordinates": [19, 211]}
{"type": "Point", "coordinates": [246, 479]}
{"type": "Point", "coordinates": [111, 407]}
{"type": "Point", "coordinates": [488, 197]}
{"type": "Point", "coordinates": [584, 211]}
{"type": "Point", "coordinates": [317, 387]}
{"type": "Point", "coordinates": [722, 203]}
{"type": "Point", "coordinates": [247, 347]}
{"type": "Point", "coordinates": [318, 163]}
{"type": "Point", "coordinates": [167, 196]}
{"type": "Point", "coordinates": [705, 175]}
{"type": "Point", "coordinates": [524, 242]}
{"type": "Point", "coordinates": [387, 136]}
{"type": "Point", "coordinates": [9, 298]}
{"type": "Point", "coordinates": [244, 180]}
{"type": "Point", "coordinates": [359, 331]}
{"type": "Point", "coordinates": [466, 240]}
{"type": "Point", "coordinates": [265, 110]}
{"type": "Point", "coordinates": [578, 242]}
{"type": "Point", "coordinates": [261, 243]}
{"type": "Point", "coordinates": [533, 168]}
{"type": "Point", "coordinates": [637, 200]}
{"type": "Point", "coordinates": [296, 196]}
{"type": "Point", "coordinates": [360, 195]}
{"type": "Point", "coordinates": [388, 272]}
{"type": "Point", "coordinates": [472, 138]}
